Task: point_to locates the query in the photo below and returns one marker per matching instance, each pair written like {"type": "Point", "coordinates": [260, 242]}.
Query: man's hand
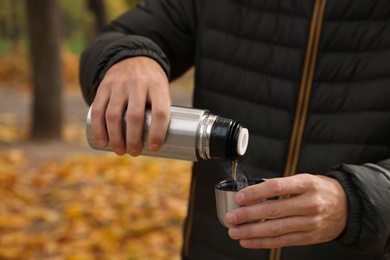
{"type": "Point", "coordinates": [313, 210]}
{"type": "Point", "coordinates": [126, 88]}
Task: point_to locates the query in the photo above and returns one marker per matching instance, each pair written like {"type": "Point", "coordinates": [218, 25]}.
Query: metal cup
{"type": "Point", "coordinates": [225, 192]}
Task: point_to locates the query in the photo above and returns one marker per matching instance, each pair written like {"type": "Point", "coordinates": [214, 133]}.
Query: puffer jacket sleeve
{"type": "Point", "coordinates": [368, 191]}
{"type": "Point", "coordinates": [159, 29]}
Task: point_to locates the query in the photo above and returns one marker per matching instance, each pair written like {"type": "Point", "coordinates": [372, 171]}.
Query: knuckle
{"type": "Point", "coordinates": [97, 111]}
{"type": "Point", "coordinates": [161, 114]}
{"type": "Point", "coordinates": [302, 183]}
{"type": "Point", "coordinates": [113, 115]}
{"type": "Point", "coordinates": [308, 181]}
{"type": "Point", "coordinates": [253, 193]}
{"type": "Point", "coordinates": [247, 232]}
{"type": "Point", "coordinates": [245, 215]}
{"type": "Point", "coordinates": [276, 187]}
{"type": "Point", "coordinates": [303, 180]}
{"type": "Point", "coordinates": [280, 241]}
{"type": "Point", "coordinates": [275, 227]}
{"type": "Point", "coordinates": [316, 223]}
{"type": "Point", "coordinates": [135, 115]}
{"type": "Point", "coordinates": [316, 205]}
{"type": "Point", "coordinates": [272, 209]}
{"type": "Point", "coordinates": [314, 183]}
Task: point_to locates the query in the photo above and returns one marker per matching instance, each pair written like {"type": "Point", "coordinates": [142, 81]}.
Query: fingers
{"type": "Point", "coordinates": [279, 233]}
{"type": "Point", "coordinates": [156, 93]}
{"type": "Point", "coordinates": [160, 118]}
{"type": "Point", "coordinates": [135, 117]}
{"type": "Point", "coordinates": [107, 122]}
{"type": "Point", "coordinates": [98, 118]}
{"type": "Point", "coordinates": [305, 200]}
{"type": "Point", "coordinates": [297, 184]}
{"type": "Point", "coordinates": [107, 114]}
{"type": "Point", "coordinates": [158, 128]}
{"type": "Point", "coordinates": [315, 213]}
{"type": "Point", "coordinates": [270, 229]}
{"type": "Point", "coordinates": [291, 239]}
{"type": "Point", "coordinates": [273, 209]}
{"type": "Point", "coordinates": [125, 90]}
{"type": "Point", "coordinates": [114, 124]}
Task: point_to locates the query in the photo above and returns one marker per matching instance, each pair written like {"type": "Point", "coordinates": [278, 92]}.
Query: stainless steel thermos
{"type": "Point", "coordinates": [193, 135]}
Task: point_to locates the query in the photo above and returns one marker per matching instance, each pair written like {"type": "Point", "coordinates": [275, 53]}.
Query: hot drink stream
{"type": "Point", "coordinates": [234, 173]}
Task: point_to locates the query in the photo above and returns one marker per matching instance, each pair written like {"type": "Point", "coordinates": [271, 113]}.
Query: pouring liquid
{"type": "Point", "coordinates": [234, 173]}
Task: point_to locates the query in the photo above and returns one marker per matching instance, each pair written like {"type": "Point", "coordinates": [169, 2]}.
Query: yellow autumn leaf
{"type": "Point", "coordinates": [74, 211]}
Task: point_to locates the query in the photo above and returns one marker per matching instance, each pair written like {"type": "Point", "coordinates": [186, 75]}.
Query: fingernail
{"type": "Point", "coordinates": [133, 152]}
{"type": "Point", "coordinates": [234, 232]}
{"type": "Point", "coordinates": [230, 218]}
{"type": "Point", "coordinates": [240, 197]}
{"type": "Point", "coordinates": [119, 151]}
{"type": "Point", "coordinates": [246, 243]}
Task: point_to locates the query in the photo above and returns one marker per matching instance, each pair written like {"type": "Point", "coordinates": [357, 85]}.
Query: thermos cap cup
{"type": "Point", "coordinates": [225, 193]}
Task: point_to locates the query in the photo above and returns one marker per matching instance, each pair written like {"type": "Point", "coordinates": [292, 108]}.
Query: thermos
{"type": "Point", "coordinates": [193, 135]}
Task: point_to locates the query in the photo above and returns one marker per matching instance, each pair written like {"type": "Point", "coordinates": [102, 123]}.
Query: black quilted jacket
{"type": "Point", "coordinates": [309, 78]}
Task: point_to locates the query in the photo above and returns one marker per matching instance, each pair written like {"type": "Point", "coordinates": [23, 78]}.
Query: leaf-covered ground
{"type": "Point", "coordinates": [92, 207]}
{"type": "Point", "coordinates": [62, 201]}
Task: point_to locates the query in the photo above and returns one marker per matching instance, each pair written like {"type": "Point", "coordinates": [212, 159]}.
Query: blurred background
{"type": "Point", "coordinates": [59, 199]}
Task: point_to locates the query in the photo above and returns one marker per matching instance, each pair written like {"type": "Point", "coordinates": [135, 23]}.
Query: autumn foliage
{"type": "Point", "coordinates": [92, 207]}
{"type": "Point", "coordinates": [87, 206]}
{"type": "Point", "coordinates": [15, 71]}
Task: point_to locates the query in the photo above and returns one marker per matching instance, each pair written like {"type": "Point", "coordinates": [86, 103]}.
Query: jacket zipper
{"type": "Point", "coordinates": [303, 98]}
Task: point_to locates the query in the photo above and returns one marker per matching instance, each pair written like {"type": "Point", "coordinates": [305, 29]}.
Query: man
{"type": "Point", "coordinates": [309, 79]}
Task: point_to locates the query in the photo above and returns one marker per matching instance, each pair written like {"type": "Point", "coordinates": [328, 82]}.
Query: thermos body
{"type": "Point", "coordinates": [193, 135]}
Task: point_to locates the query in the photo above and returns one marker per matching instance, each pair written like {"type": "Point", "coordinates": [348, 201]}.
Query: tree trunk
{"type": "Point", "coordinates": [46, 69]}
{"type": "Point", "coordinates": [98, 8]}
{"type": "Point", "coordinates": [15, 27]}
